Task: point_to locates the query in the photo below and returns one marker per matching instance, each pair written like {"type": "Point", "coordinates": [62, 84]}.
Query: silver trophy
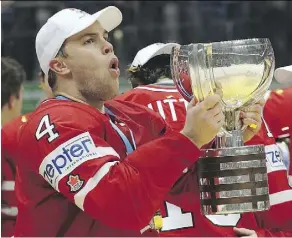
{"type": "Point", "coordinates": [232, 177]}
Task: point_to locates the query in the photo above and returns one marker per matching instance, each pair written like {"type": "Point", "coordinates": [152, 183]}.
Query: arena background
{"type": "Point", "coordinates": [146, 22]}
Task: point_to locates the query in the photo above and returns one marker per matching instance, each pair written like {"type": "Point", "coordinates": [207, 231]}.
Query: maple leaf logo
{"type": "Point", "coordinates": [74, 182]}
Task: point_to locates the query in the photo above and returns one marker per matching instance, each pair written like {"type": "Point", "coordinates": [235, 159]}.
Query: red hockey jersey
{"type": "Point", "coordinates": [277, 112]}
{"type": "Point", "coordinates": [9, 209]}
{"type": "Point", "coordinates": [181, 210]}
{"type": "Point", "coordinates": [76, 179]}
{"type": "Point", "coordinates": [165, 100]}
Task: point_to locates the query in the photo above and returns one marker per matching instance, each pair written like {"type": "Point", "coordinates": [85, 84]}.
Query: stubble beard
{"type": "Point", "coordinates": [97, 88]}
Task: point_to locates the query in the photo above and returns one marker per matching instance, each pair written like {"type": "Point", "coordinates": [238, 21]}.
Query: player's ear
{"type": "Point", "coordinates": [11, 101]}
{"type": "Point", "coordinates": [59, 67]}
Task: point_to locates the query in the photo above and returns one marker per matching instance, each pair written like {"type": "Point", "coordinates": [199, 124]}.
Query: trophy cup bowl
{"type": "Point", "coordinates": [232, 177]}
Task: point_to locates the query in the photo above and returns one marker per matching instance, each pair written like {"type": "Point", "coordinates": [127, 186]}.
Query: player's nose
{"type": "Point", "coordinates": [108, 48]}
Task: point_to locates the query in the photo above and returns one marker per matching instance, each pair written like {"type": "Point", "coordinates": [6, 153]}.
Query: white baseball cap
{"type": "Point", "coordinates": [284, 74]}
{"type": "Point", "coordinates": [66, 23]}
{"type": "Point", "coordinates": [145, 54]}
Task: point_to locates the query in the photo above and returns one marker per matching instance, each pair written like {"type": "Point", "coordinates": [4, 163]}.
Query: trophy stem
{"type": "Point", "coordinates": [232, 137]}
{"type": "Point", "coordinates": [235, 139]}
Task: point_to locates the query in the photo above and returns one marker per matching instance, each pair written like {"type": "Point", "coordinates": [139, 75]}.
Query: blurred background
{"type": "Point", "coordinates": [146, 22]}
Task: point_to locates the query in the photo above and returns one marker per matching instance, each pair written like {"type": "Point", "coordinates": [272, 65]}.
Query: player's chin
{"type": "Point", "coordinates": [113, 92]}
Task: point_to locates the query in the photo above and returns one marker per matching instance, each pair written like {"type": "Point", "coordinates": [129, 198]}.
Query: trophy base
{"type": "Point", "coordinates": [233, 180]}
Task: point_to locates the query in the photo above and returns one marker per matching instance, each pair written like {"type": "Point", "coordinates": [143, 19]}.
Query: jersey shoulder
{"type": "Point", "coordinates": [55, 124]}
{"type": "Point", "coordinates": [276, 111]}
{"type": "Point", "coordinates": [9, 134]}
{"type": "Point", "coordinates": [148, 93]}
{"type": "Point", "coordinates": [69, 113]}
{"type": "Point", "coordinates": [279, 98]}
{"type": "Point", "coordinates": [137, 115]}
{"type": "Point", "coordinates": [11, 127]}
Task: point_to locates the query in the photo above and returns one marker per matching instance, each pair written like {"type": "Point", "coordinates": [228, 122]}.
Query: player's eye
{"type": "Point", "coordinates": [89, 41]}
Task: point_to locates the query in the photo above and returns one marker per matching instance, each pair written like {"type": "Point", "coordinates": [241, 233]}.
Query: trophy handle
{"type": "Point", "coordinates": [179, 65]}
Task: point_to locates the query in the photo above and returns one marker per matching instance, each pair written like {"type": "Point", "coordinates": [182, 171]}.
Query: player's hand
{"type": "Point", "coordinates": [251, 117]}
{"type": "Point", "coordinates": [203, 120]}
{"type": "Point", "coordinates": [242, 232]}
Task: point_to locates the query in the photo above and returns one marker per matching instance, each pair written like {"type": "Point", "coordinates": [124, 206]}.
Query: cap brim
{"type": "Point", "coordinates": [151, 51]}
{"type": "Point", "coordinates": [165, 50]}
{"type": "Point", "coordinates": [109, 18]}
{"type": "Point", "coordinates": [284, 74]}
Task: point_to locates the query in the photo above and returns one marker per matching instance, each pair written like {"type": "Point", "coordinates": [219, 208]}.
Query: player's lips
{"type": "Point", "coordinates": [114, 67]}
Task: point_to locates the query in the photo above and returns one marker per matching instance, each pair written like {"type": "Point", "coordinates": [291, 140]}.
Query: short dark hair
{"type": "Point", "coordinates": [149, 73]}
{"type": "Point", "coordinates": [42, 75]}
{"type": "Point", "coordinates": [52, 76]}
{"type": "Point", "coordinates": [12, 78]}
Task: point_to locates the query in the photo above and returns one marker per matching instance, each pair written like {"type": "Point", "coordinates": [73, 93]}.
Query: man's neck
{"type": "Point", "coordinates": [5, 117]}
{"type": "Point", "coordinates": [98, 105]}
{"type": "Point", "coordinates": [164, 81]}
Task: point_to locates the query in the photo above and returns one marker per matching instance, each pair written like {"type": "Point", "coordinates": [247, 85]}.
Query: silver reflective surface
{"type": "Point", "coordinates": [242, 70]}
{"type": "Point", "coordinates": [233, 180]}
{"type": "Point", "coordinates": [237, 208]}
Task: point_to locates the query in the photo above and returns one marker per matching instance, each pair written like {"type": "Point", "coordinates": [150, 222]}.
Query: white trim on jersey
{"type": "Point", "coordinates": [284, 135]}
{"type": "Point", "coordinates": [8, 185]}
{"type": "Point", "coordinates": [160, 109]}
{"type": "Point", "coordinates": [267, 128]}
{"type": "Point", "coordinates": [281, 197]}
{"type": "Point", "coordinates": [10, 211]}
{"type": "Point", "coordinates": [92, 183]}
{"type": "Point", "coordinates": [157, 89]}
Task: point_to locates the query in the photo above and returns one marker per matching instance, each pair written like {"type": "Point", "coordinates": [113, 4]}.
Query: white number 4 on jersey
{"type": "Point", "coordinates": [46, 128]}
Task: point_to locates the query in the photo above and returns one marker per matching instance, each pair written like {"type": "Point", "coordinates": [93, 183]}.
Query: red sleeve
{"type": "Point", "coordinates": [8, 201]}
{"type": "Point", "coordinates": [81, 165]}
{"type": "Point", "coordinates": [9, 209]}
{"type": "Point", "coordinates": [279, 190]}
{"type": "Point", "coordinates": [276, 111]}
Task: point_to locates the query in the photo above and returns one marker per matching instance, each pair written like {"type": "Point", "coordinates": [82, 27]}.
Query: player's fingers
{"type": "Point", "coordinates": [211, 101]}
{"type": "Point", "coordinates": [193, 102]}
{"type": "Point", "coordinates": [219, 118]}
{"type": "Point", "coordinates": [251, 115]}
{"type": "Point", "coordinates": [243, 231]}
{"type": "Point", "coordinates": [261, 102]}
{"type": "Point", "coordinates": [253, 124]}
{"type": "Point", "coordinates": [217, 109]}
{"type": "Point", "coordinates": [253, 108]}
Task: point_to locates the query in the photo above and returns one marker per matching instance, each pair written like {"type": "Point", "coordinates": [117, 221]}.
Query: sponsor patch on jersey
{"type": "Point", "coordinates": [75, 183]}
{"type": "Point", "coordinates": [66, 157]}
{"type": "Point", "coordinates": [274, 158]}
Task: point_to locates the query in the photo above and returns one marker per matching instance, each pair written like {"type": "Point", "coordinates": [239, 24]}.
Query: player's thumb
{"type": "Point", "coordinates": [193, 102]}
{"type": "Point", "coordinates": [242, 231]}
{"type": "Point", "coordinates": [211, 101]}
